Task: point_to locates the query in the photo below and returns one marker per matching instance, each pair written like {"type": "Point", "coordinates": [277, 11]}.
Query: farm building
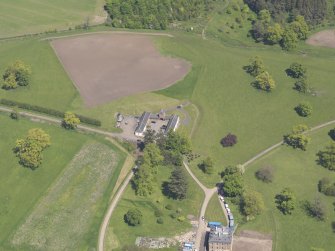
{"type": "Point", "coordinates": [219, 239]}
{"type": "Point", "coordinates": [142, 124]}
{"type": "Point", "coordinates": [173, 123]}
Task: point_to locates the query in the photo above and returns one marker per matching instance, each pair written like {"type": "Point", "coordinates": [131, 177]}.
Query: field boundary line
{"type": "Point", "coordinates": [110, 32]}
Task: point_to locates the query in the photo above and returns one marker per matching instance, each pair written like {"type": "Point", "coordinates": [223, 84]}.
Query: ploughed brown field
{"type": "Point", "coordinates": [324, 38]}
{"type": "Point", "coordinates": [105, 67]}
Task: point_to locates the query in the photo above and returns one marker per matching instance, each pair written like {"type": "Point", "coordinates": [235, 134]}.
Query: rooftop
{"type": "Point", "coordinates": [220, 235]}
{"type": "Point", "coordinates": [143, 122]}
{"type": "Point", "coordinates": [173, 121]}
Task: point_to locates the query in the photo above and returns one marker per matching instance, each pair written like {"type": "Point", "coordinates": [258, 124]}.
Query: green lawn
{"type": "Point", "coordinates": [57, 184]}
{"type": "Point", "coordinates": [298, 170]}
{"type": "Point", "coordinates": [214, 211]}
{"type": "Point", "coordinates": [33, 16]}
{"type": "Point", "coordinates": [119, 233]}
{"type": "Point", "coordinates": [228, 103]}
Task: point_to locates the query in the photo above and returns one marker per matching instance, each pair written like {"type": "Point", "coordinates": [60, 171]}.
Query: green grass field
{"type": "Point", "coordinates": [214, 211]}
{"type": "Point", "coordinates": [33, 16]}
{"type": "Point", "coordinates": [298, 170]}
{"type": "Point", "coordinates": [228, 103]}
{"type": "Point", "coordinates": [60, 204]}
{"type": "Point", "coordinates": [119, 233]}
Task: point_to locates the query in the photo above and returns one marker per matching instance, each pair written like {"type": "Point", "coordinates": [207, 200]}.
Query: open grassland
{"type": "Point", "coordinates": [214, 211]}
{"type": "Point", "coordinates": [228, 103]}
{"type": "Point", "coordinates": [298, 170]}
{"type": "Point", "coordinates": [33, 16]}
{"type": "Point", "coordinates": [60, 205]}
{"type": "Point", "coordinates": [120, 234]}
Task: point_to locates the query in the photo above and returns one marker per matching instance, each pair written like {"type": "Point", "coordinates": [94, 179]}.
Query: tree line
{"type": "Point", "coordinates": [153, 14]}
{"type": "Point", "coordinates": [313, 11]}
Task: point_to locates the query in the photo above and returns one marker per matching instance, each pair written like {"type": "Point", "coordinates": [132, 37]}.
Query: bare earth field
{"type": "Point", "coordinates": [323, 38]}
{"type": "Point", "coordinates": [105, 67]}
{"type": "Point", "coordinates": [252, 241]}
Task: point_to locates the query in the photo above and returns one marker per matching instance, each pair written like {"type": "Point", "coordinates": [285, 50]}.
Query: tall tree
{"type": "Point", "coordinates": [207, 165]}
{"type": "Point", "coordinates": [178, 184]}
{"type": "Point", "coordinates": [20, 71]}
{"type": "Point", "coordinates": [256, 66]}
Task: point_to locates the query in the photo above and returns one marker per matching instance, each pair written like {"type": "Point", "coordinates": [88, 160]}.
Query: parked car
{"type": "Point", "coordinates": [226, 205]}
{"type": "Point", "coordinates": [228, 210]}
{"type": "Point", "coordinates": [221, 198]}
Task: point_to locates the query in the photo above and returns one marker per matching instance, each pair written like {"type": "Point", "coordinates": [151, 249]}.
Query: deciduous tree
{"type": "Point", "coordinates": [252, 204]}
{"type": "Point", "coordinates": [178, 184]}
{"type": "Point", "coordinates": [133, 217]}
{"type": "Point", "coordinates": [256, 66]}
{"type": "Point", "coordinates": [327, 157]}
{"type": "Point", "coordinates": [286, 201]}
{"type": "Point", "coordinates": [264, 82]}
{"type": "Point", "coordinates": [70, 121]}
{"type": "Point", "coordinates": [304, 109]}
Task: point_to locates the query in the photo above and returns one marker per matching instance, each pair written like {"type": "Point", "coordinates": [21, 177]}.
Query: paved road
{"type": "Point", "coordinates": [108, 215]}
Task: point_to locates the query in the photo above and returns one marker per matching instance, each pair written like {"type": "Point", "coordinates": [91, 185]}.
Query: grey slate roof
{"type": "Point", "coordinates": [143, 122]}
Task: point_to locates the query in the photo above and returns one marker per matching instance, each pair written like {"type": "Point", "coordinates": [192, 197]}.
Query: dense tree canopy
{"type": "Point", "coordinates": [314, 11]}
{"type": "Point", "coordinates": [143, 181]}
{"type": "Point", "coordinates": [153, 14]}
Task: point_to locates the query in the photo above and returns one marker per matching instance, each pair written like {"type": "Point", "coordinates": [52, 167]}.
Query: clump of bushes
{"type": "Point", "coordinates": [160, 221]}
{"type": "Point", "coordinates": [229, 140]}
{"type": "Point", "coordinates": [265, 174]}
{"type": "Point", "coordinates": [332, 134]}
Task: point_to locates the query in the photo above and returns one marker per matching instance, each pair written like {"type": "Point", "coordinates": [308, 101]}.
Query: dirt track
{"type": "Point", "coordinates": [105, 67]}
{"type": "Point", "coordinates": [323, 38]}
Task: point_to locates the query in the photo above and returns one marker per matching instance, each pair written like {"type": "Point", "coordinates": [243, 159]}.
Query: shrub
{"type": "Point", "coordinates": [181, 218]}
{"type": "Point", "coordinates": [265, 174]}
{"type": "Point", "coordinates": [158, 213]}
{"type": "Point", "coordinates": [133, 217]}
{"type": "Point", "coordinates": [173, 215]}
{"type": "Point", "coordinates": [169, 207]}
{"type": "Point", "coordinates": [14, 114]}
{"type": "Point", "coordinates": [160, 221]}
{"type": "Point", "coordinates": [304, 109]}
{"type": "Point", "coordinates": [332, 134]}
{"type": "Point", "coordinates": [229, 140]}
